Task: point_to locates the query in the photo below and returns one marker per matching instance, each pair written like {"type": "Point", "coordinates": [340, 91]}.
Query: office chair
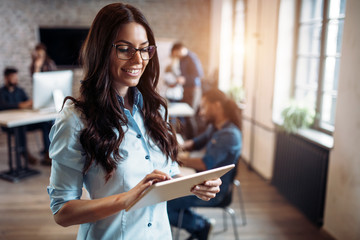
{"type": "Point", "coordinates": [225, 206]}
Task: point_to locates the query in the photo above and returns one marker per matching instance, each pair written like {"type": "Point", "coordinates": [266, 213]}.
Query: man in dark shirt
{"type": "Point", "coordinates": [11, 96]}
{"type": "Point", "coordinates": [222, 142]}
{"type": "Point", "coordinates": [14, 97]}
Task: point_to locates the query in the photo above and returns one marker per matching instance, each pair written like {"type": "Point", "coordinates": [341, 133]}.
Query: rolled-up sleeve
{"type": "Point", "coordinates": [66, 179]}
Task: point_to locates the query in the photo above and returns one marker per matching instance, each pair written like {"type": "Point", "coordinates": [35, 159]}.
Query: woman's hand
{"type": "Point", "coordinates": [26, 104]}
{"type": "Point", "coordinates": [147, 181]}
{"type": "Point", "coordinates": [207, 190]}
{"type": "Point", "coordinates": [187, 145]}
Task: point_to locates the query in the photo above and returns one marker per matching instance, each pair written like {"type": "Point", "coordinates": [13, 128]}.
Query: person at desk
{"type": "Point", "coordinates": [41, 62]}
{"type": "Point", "coordinates": [14, 97]}
{"type": "Point", "coordinates": [113, 139]}
{"type": "Point", "coordinates": [222, 143]}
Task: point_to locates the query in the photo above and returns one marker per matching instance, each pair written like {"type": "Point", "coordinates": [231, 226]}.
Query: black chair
{"type": "Point", "coordinates": [225, 206]}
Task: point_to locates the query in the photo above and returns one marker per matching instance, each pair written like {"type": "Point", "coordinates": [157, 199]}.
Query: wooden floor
{"type": "Point", "coordinates": [25, 213]}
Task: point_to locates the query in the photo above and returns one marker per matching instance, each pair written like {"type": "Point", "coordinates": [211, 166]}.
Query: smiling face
{"type": "Point", "coordinates": [127, 73]}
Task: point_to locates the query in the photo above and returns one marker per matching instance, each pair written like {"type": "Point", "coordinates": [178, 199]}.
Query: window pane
{"type": "Point", "coordinates": [328, 109]}
{"type": "Point", "coordinates": [309, 39]}
{"type": "Point", "coordinates": [306, 97]}
{"type": "Point", "coordinates": [337, 8]}
{"type": "Point", "coordinates": [307, 73]}
{"type": "Point", "coordinates": [238, 44]}
{"type": "Point", "coordinates": [334, 37]}
{"type": "Point", "coordinates": [311, 9]}
{"type": "Point", "coordinates": [331, 74]}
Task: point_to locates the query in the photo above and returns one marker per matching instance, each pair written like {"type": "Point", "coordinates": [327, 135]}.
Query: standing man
{"type": "Point", "coordinates": [191, 72]}
{"type": "Point", "coordinates": [14, 97]}
{"type": "Point", "coordinates": [222, 143]}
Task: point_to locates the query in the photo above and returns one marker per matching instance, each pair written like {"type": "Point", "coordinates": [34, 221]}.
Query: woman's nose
{"type": "Point", "coordinates": [137, 57]}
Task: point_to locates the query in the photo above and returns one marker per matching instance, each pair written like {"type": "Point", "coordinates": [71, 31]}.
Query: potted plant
{"type": "Point", "coordinates": [296, 116]}
{"type": "Point", "coordinates": [237, 93]}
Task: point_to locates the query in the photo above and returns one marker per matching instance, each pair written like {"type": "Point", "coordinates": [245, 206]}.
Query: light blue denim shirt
{"type": "Point", "coordinates": [67, 180]}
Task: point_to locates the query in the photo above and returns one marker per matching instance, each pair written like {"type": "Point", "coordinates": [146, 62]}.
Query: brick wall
{"type": "Point", "coordinates": [185, 20]}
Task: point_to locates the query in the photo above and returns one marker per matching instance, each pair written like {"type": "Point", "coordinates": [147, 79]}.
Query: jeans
{"type": "Point", "coordinates": [191, 222]}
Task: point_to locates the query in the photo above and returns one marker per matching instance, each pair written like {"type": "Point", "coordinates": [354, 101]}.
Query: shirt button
{"type": "Point", "coordinates": [149, 224]}
{"type": "Point", "coordinates": [147, 157]}
{"type": "Point", "coordinates": [138, 136]}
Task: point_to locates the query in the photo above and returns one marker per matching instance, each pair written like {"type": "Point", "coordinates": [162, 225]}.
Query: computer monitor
{"type": "Point", "coordinates": [50, 89]}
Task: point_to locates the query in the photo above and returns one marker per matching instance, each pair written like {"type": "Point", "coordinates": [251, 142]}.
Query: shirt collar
{"type": "Point", "coordinates": [138, 98]}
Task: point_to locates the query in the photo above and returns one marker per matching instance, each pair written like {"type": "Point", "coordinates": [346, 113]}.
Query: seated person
{"type": "Point", "coordinates": [14, 97]}
{"type": "Point", "coordinates": [41, 62]}
{"type": "Point", "coordinates": [222, 143]}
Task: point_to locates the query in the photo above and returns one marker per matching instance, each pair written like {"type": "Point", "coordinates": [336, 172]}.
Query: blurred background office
{"type": "Point", "coordinates": [269, 54]}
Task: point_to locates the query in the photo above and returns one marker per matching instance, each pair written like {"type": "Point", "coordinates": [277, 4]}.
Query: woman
{"type": "Point", "coordinates": [113, 139]}
{"type": "Point", "coordinates": [41, 62]}
{"type": "Point", "coordinates": [221, 143]}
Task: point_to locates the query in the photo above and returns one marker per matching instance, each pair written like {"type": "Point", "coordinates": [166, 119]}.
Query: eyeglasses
{"type": "Point", "coordinates": [126, 52]}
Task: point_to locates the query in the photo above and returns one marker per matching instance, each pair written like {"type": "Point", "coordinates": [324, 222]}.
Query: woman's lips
{"type": "Point", "coordinates": [132, 72]}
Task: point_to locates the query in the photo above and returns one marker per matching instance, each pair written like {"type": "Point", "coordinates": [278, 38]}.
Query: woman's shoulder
{"type": "Point", "coordinates": [70, 114]}
{"type": "Point", "coordinates": [231, 130]}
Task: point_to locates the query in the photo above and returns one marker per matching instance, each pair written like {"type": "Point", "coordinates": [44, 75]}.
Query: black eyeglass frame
{"type": "Point", "coordinates": [136, 49]}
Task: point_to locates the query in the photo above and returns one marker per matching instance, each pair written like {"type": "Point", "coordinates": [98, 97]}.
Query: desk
{"type": "Point", "coordinates": [17, 120]}
{"type": "Point", "coordinates": [180, 109]}
{"type": "Point", "coordinates": [181, 117]}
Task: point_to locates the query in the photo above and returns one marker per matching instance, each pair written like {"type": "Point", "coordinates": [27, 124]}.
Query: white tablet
{"type": "Point", "coordinates": [177, 187]}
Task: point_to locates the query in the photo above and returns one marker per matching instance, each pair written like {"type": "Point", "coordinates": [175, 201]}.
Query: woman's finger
{"type": "Point", "coordinates": [156, 176]}
{"type": "Point", "coordinates": [202, 188]}
{"type": "Point", "coordinates": [205, 197]}
{"type": "Point", "coordinates": [213, 183]}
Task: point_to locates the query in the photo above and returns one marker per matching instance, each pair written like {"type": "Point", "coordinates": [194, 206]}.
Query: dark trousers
{"type": "Point", "coordinates": [44, 127]}
{"type": "Point", "coordinates": [192, 96]}
{"type": "Point", "coordinates": [191, 222]}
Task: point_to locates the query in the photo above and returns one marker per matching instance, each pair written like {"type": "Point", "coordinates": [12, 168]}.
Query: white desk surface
{"type": "Point", "coordinates": [16, 118]}
{"type": "Point", "coordinates": [180, 109]}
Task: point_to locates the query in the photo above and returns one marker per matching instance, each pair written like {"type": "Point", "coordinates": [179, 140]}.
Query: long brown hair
{"type": "Point", "coordinates": [98, 100]}
{"type": "Point", "coordinates": [231, 109]}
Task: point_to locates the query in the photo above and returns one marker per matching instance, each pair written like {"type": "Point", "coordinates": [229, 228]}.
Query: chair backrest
{"type": "Point", "coordinates": [228, 196]}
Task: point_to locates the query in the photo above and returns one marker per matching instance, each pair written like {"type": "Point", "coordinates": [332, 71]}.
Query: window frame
{"type": "Point", "coordinates": [325, 22]}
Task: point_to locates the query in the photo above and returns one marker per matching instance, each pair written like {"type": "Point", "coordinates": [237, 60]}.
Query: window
{"type": "Point", "coordinates": [232, 44]}
{"type": "Point", "coordinates": [320, 27]}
